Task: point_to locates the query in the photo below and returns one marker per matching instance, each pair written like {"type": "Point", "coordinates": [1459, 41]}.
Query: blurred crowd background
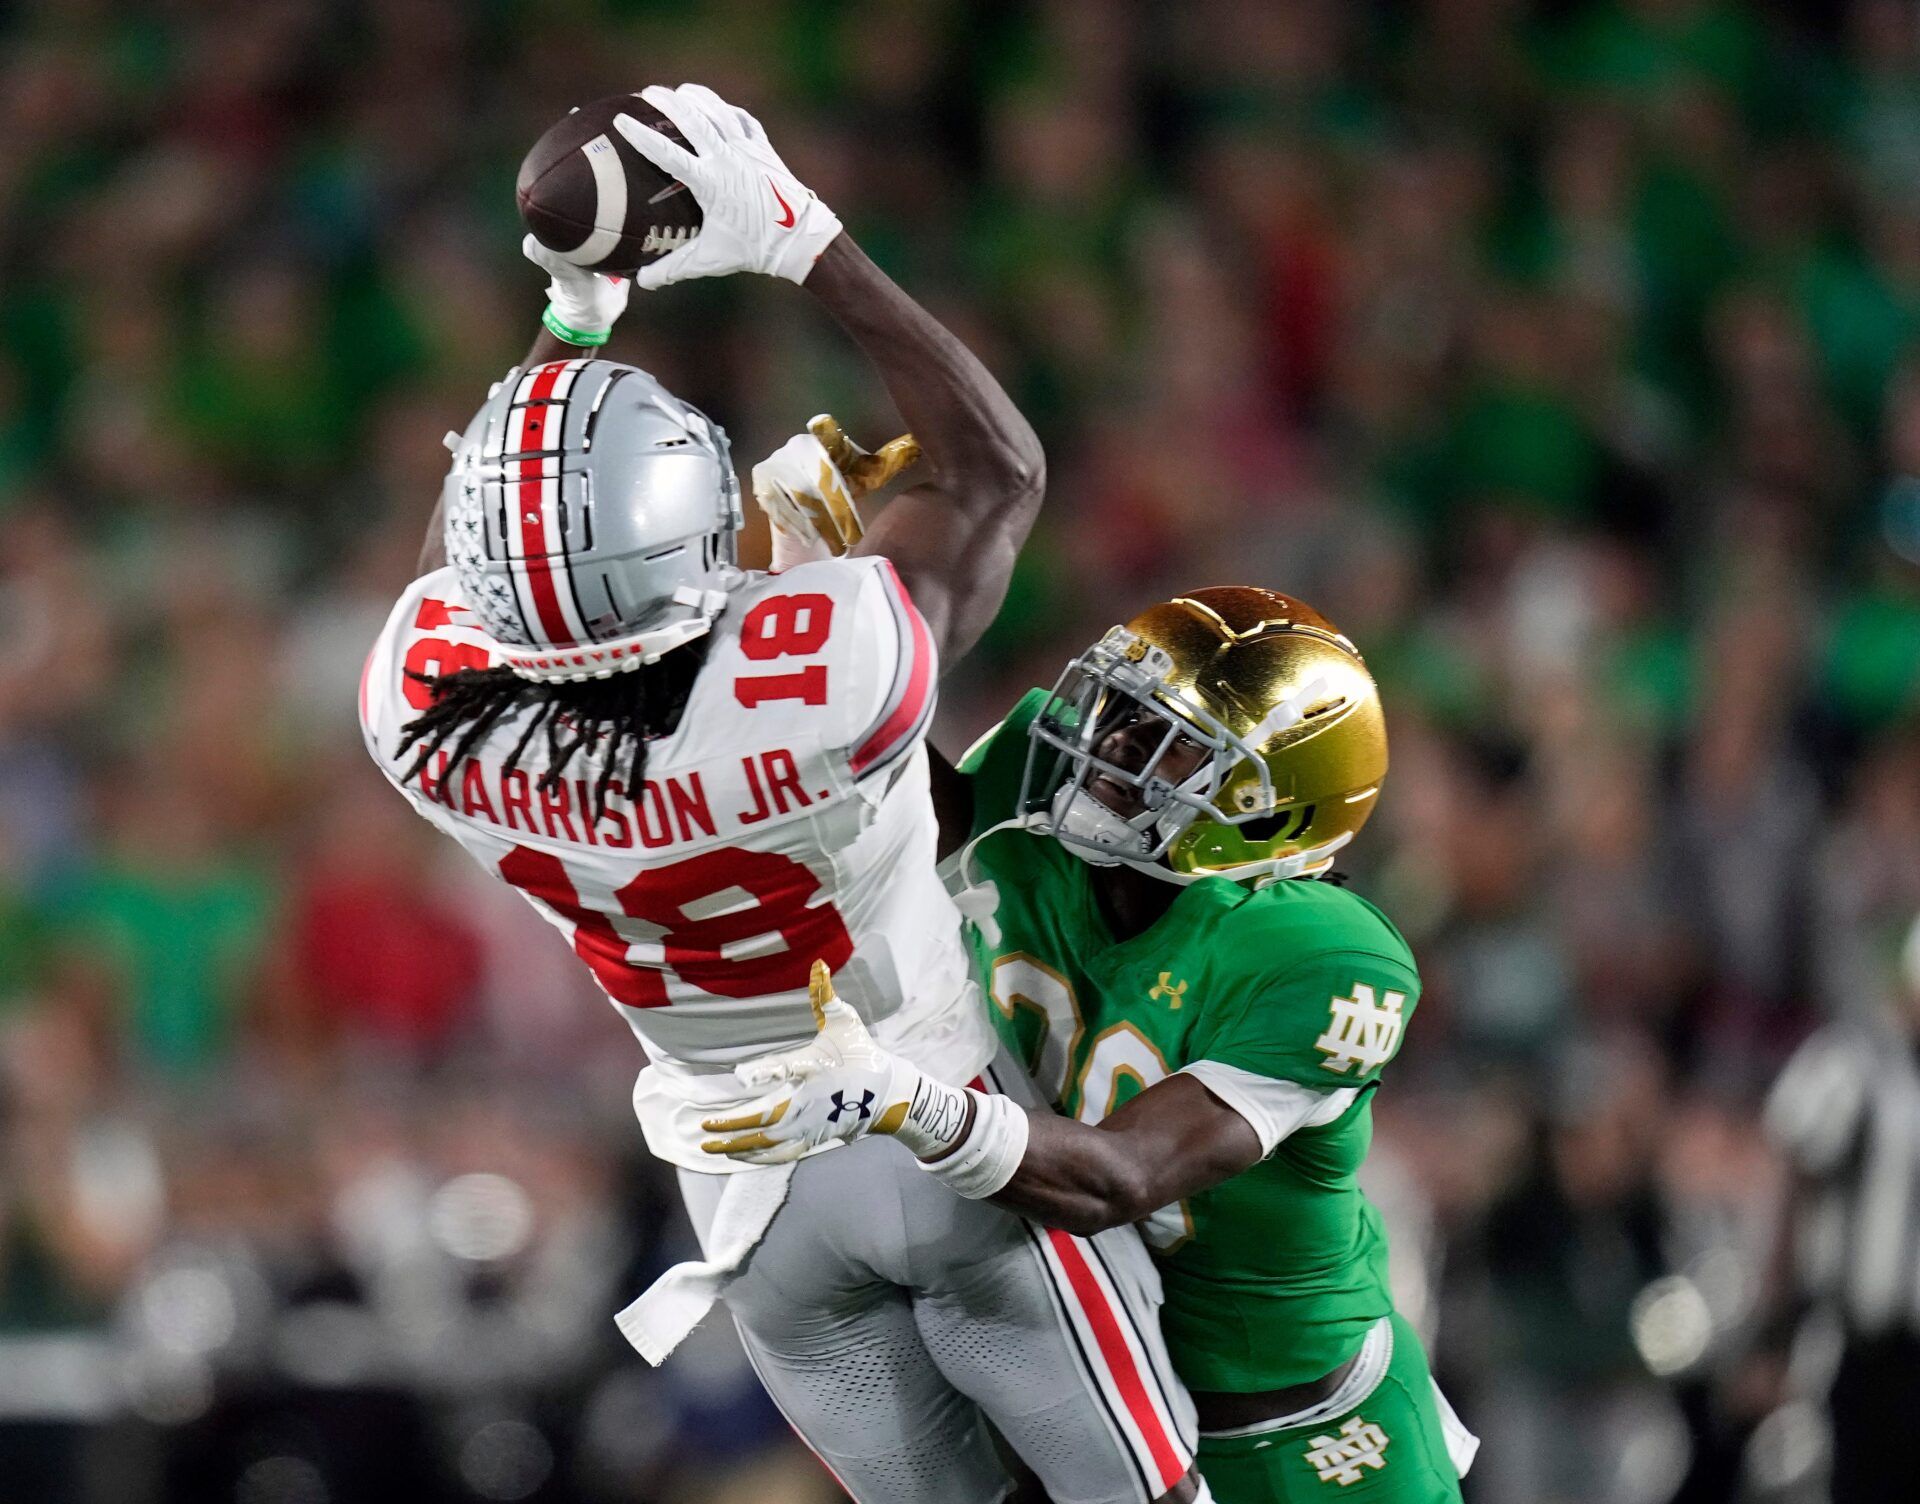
{"type": "Point", "coordinates": [1564, 353]}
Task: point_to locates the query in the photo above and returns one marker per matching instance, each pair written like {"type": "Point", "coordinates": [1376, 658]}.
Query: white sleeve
{"type": "Point", "coordinates": [900, 668]}
{"type": "Point", "coordinates": [1275, 1108]}
{"type": "Point", "coordinates": [427, 609]}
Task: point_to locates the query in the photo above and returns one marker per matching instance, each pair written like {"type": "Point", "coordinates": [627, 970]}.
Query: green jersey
{"type": "Point", "coordinates": [1295, 992]}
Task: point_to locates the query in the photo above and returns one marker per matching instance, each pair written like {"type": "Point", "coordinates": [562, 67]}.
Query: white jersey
{"type": "Point", "coordinates": [786, 818]}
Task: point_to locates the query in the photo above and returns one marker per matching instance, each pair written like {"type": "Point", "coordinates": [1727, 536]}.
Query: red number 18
{"type": "Point", "coordinates": [785, 626]}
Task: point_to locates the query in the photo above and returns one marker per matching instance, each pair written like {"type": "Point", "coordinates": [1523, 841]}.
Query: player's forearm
{"type": "Point", "coordinates": [549, 346]}
{"type": "Point", "coordinates": [1077, 1178]}
{"type": "Point", "coordinates": [433, 547]}
{"type": "Point", "coordinates": [1170, 1142]}
{"type": "Point", "coordinates": [984, 454]}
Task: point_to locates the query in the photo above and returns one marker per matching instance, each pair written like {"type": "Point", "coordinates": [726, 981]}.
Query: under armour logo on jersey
{"type": "Point", "coordinates": [1362, 1032]}
{"type": "Point", "coordinates": [1168, 991]}
{"type": "Point", "coordinates": [840, 1104]}
{"type": "Point", "coordinates": [1338, 1459]}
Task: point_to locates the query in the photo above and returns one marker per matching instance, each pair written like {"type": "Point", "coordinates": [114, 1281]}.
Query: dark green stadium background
{"type": "Point", "coordinates": [1564, 353]}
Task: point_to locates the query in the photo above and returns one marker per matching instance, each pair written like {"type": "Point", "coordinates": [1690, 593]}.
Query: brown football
{"type": "Point", "coordinates": [585, 191]}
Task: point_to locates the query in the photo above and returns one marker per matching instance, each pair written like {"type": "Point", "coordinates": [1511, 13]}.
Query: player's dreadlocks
{"type": "Point", "coordinates": [628, 709]}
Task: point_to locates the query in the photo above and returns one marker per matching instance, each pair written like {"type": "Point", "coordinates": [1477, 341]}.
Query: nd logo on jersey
{"type": "Point", "coordinates": [1338, 1459]}
{"type": "Point", "coordinates": [1362, 1032]}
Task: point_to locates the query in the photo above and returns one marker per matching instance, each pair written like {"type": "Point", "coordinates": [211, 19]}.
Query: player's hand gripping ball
{"type": "Point", "coordinates": [756, 215]}
{"type": "Point", "coordinates": [582, 306]}
{"type": "Point", "coordinates": [589, 196]}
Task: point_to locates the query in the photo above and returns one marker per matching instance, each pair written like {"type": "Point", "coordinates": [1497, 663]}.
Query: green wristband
{"type": "Point", "coordinates": [572, 336]}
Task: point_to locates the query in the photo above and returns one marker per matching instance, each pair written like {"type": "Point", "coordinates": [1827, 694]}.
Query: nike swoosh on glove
{"type": "Point", "coordinates": [840, 1087]}
{"type": "Point", "coordinates": [757, 216]}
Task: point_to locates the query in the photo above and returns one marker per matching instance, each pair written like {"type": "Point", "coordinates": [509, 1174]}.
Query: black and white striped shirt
{"type": "Point", "coordinates": [1846, 1111]}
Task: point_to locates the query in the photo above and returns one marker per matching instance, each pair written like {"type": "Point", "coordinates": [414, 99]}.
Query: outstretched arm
{"type": "Point", "coordinates": [1173, 1140]}
{"type": "Point", "coordinates": [954, 540]}
{"type": "Point", "coordinates": [581, 309]}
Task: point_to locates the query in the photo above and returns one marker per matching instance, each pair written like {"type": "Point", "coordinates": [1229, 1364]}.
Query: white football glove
{"type": "Point", "coordinates": [582, 306]}
{"type": "Point", "coordinates": [757, 216]}
{"type": "Point", "coordinates": [842, 1087]}
{"type": "Point", "coordinates": [807, 501]}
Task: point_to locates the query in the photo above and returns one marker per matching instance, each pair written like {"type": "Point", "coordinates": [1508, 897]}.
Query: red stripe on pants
{"type": "Point", "coordinates": [1113, 1348]}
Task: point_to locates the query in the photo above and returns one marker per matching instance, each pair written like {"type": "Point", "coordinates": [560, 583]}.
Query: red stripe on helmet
{"type": "Point", "coordinates": [535, 418]}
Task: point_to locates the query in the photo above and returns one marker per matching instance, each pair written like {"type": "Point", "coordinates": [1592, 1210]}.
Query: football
{"type": "Point", "coordinates": [585, 192]}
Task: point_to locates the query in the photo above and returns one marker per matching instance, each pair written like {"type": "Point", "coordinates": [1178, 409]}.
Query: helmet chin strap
{"type": "Point", "coordinates": [1077, 814]}
{"type": "Point", "coordinates": [602, 660]}
{"type": "Point", "coordinates": [1310, 863]}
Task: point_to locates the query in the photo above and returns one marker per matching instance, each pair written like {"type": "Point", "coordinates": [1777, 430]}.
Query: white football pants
{"type": "Point", "coordinates": [887, 1316]}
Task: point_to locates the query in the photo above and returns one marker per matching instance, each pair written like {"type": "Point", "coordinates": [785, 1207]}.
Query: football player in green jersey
{"type": "Point", "coordinates": [1141, 849]}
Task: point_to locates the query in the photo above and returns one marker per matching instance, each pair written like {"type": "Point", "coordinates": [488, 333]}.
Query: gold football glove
{"type": "Point", "coordinates": [808, 486]}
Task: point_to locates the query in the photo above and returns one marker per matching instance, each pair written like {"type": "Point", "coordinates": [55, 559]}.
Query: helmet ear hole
{"type": "Point", "coordinates": [1266, 827]}
{"type": "Point", "coordinates": [1282, 825]}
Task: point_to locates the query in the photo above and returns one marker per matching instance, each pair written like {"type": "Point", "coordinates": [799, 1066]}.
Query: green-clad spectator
{"type": "Point", "coordinates": [181, 925]}
{"type": "Point", "coordinates": [1645, 53]}
{"type": "Point", "coordinates": [258, 390]}
{"type": "Point", "coordinates": [1517, 438]}
{"type": "Point", "coordinates": [23, 945]}
{"type": "Point", "coordinates": [1873, 656]}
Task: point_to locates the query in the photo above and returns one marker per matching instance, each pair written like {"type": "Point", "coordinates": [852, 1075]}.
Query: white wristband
{"type": "Point", "coordinates": [985, 1160]}
{"type": "Point", "coordinates": [935, 1114]}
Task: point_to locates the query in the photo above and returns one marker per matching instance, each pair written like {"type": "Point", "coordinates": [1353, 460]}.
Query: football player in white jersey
{"type": "Point", "coordinates": [708, 779]}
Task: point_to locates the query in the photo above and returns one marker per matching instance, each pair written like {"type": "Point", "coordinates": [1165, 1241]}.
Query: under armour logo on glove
{"type": "Point", "coordinates": [838, 1087]}
{"type": "Point", "coordinates": [840, 1104]}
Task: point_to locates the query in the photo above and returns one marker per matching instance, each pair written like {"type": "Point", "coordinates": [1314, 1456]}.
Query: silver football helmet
{"type": "Point", "coordinates": [591, 516]}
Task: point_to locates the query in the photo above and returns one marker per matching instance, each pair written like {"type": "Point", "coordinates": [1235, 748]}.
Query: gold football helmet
{"type": "Point", "coordinates": [1232, 732]}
